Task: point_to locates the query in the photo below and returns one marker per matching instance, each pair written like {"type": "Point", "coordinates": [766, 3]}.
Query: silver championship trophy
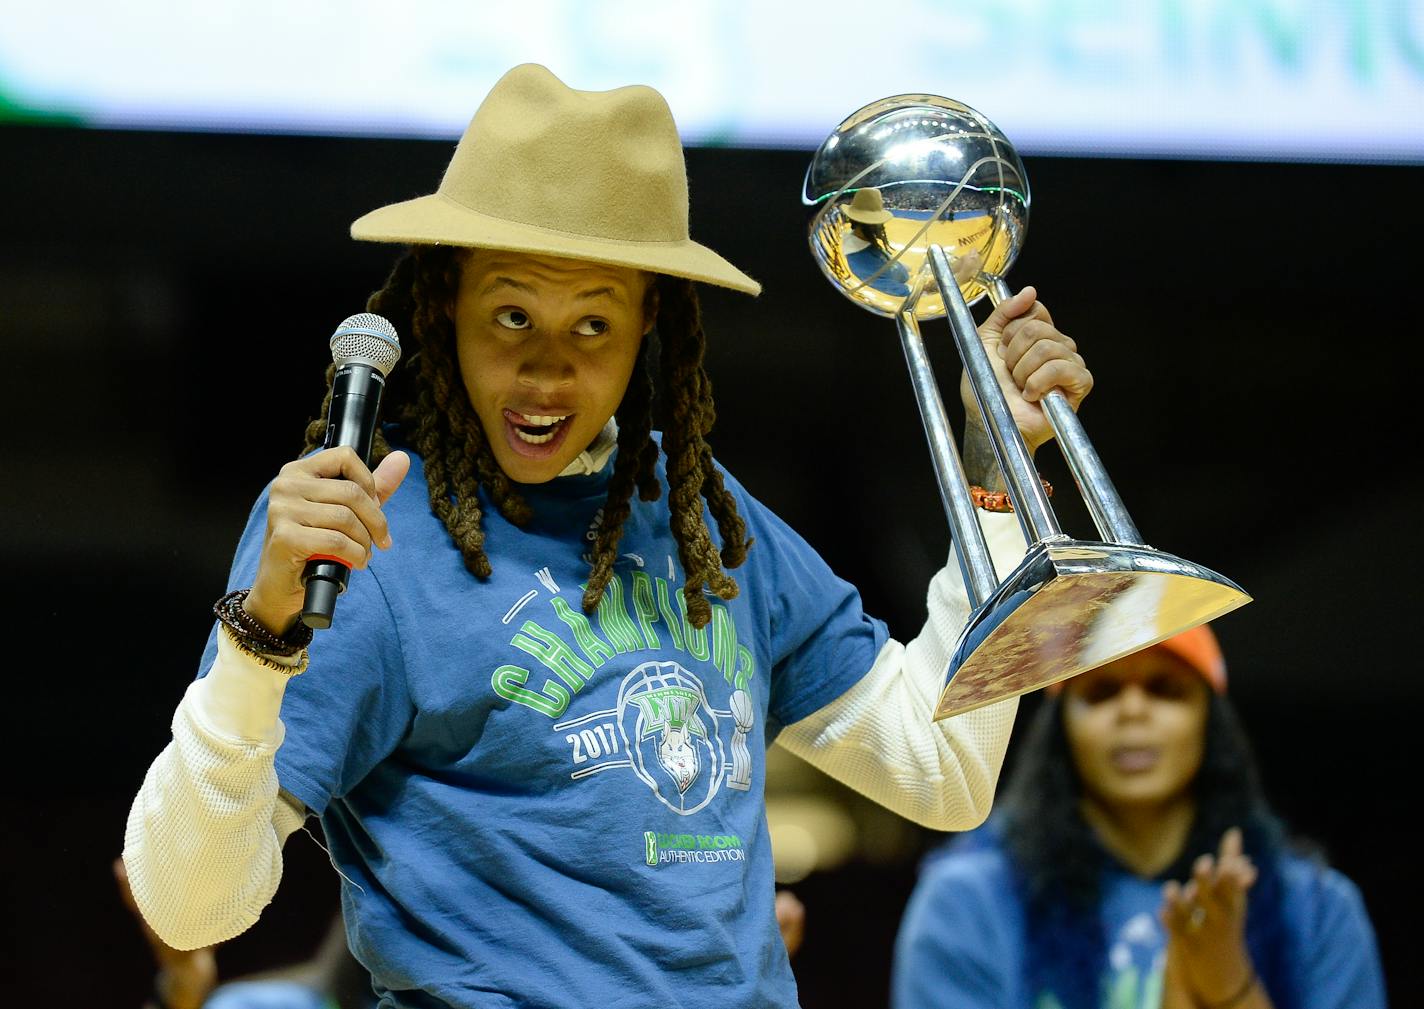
{"type": "Point", "coordinates": [921, 205]}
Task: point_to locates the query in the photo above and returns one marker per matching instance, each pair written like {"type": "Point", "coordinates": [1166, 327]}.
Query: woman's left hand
{"type": "Point", "coordinates": [1030, 357]}
{"type": "Point", "coordinates": [1206, 923]}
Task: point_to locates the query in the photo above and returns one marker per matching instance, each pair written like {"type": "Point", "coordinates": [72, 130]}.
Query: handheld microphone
{"type": "Point", "coordinates": [364, 349]}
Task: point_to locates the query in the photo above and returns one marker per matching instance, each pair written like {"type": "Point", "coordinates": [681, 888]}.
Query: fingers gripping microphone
{"type": "Point", "coordinates": [364, 349]}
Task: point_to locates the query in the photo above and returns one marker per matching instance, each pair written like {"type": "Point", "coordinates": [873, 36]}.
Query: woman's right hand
{"type": "Point", "coordinates": [327, 503]}
{"type": "Point", "coordinates": [1206, 924]}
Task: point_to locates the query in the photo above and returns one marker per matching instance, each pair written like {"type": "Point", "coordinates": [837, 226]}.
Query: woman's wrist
{"type": "Point", "coordinates": [981, 465]}
{"type": "Point", "coordinates": [278, 623]}
{"type": "Point", "coordinates": [257, 639]}
{"type": "Point", "coordinates": [1237, 995]}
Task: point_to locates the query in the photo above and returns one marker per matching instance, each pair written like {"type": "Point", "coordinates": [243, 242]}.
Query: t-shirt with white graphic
{"type": "Point", "coordinates": [535, 806]}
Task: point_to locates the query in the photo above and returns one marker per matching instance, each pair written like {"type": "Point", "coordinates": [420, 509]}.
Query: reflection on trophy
{"type": "Point", "coordinates": [921, 205]}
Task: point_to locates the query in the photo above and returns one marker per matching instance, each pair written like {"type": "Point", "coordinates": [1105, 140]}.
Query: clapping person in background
{"type": "Point", "coordinates": [1133, 862]}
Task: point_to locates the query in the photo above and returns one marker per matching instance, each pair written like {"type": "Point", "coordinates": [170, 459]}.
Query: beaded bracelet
{"type": "Point", "coordinates": [249, 633]}
{"type": "Point", "coordinates": [998, 500]}
{"type": "Point", "coordinates": [270, 661]}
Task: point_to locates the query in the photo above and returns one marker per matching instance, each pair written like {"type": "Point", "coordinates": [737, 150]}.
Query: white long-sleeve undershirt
{"type": "Point", "coordinates": [878, 738]}
{"type": "Point", "coordinates": [204, 839]}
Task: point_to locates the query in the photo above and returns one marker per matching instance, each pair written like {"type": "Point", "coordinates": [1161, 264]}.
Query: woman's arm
{"type": "Point", "coordinates": [878, 736]}
{"type": "Point", "coordinates": [204, 840]}
{"type": "Point", "coordinates": [203, 847]}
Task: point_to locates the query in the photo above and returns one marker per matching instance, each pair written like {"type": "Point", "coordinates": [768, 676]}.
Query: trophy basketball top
{"type": "Point", "coordinates": [921, 205]}
{"type": "Point", "coordinates": [905, 173]}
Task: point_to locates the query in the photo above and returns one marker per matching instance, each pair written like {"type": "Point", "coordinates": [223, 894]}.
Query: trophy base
{"type": "Point", "coordinates": [1072, 605]}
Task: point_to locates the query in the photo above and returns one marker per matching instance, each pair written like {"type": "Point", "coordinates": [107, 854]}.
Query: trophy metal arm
{"type": "Point", "coordinates": [1071, 604]}
{"type": "Point", "coordinates": [1109, 513]}
{"type": "Point", "coordinates": [975, 562]}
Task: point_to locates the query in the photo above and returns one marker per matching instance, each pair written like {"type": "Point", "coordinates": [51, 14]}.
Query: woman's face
{"type": "Point", "coordinates": [1137, 728]}
{"type": "Point", "coordinates": [546, 347]}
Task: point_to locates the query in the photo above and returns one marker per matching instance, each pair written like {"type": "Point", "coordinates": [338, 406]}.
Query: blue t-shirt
{"type": "Point", "coordinates": [535, 807]}
{"type": "Point", "coordinates": [871, 262]}
{"type": "Point", "coordinates": [962, 944]}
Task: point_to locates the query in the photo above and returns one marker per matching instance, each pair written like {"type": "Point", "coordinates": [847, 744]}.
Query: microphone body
{"type": "Point", "coordinates": [355, 407]}
{"type": "Point", "coordinates": [364, 349]}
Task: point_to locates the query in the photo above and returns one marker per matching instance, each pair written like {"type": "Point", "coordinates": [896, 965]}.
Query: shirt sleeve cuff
{"type": "Point", "coordinates": [240, 698]}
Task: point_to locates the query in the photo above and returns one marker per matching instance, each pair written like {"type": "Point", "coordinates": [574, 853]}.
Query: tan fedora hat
{"type": "Point", "coordinates": [545, 169]}
{"type": "Point", "coordinates": [868, 207]}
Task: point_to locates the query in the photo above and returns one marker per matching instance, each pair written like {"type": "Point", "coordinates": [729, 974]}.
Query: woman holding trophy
{"type": "Point", "coordinates": [535, 733]}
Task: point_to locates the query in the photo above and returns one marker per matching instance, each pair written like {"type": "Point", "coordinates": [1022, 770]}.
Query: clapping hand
{"type": "Point", "coordinates": [1205, 918]}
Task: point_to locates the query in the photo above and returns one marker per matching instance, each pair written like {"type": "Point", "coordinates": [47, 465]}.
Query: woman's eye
{"type": "Point", "coordinates": [1100, 690]}
{"type": "Point", "coordinates": [512, 318]}
{"type": "Point", "coordinates": [591, 327]}
{"type": "Point", "coordinates": [1170, 688]}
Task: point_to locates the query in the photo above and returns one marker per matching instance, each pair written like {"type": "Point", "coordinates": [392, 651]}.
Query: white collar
{"type": "Point", "coordinates": [595, 457]}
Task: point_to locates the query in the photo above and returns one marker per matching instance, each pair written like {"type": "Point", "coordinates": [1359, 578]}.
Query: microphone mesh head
{"type": "Point", "coordinates": [366, 339]}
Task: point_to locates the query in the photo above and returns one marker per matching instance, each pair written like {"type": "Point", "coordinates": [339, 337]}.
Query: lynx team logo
{"type": "Point", "coordinates": [671, 735]}
{"type": "Point", "coordinates": [665, 730]}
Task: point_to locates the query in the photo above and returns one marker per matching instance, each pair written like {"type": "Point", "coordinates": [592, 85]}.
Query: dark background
{"type": "Point", "coordinates": [165, 301]}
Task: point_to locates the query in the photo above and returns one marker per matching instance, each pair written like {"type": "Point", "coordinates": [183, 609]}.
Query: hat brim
{"type": "Point", "coordinates": [436, 220]}
{"type": "Point", "coordinates": [869, 216]}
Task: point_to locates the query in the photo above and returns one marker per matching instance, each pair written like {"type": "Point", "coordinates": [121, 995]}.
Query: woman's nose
{"type": "Point", "coordinates": [1132, 701]}
{"type": "Point", "coordinates": [546, 366]}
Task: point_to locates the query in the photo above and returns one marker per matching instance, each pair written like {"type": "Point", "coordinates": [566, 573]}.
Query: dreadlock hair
{"type": "Point", "coordinates": [875, 235]}
{"type": "Point", "coordinates": [1059, 862]}
{"type": "Point", "coordinates": [428, 401]}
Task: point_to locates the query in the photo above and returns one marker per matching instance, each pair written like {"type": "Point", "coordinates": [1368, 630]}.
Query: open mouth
{"type": "Point", "coordinates": [536, 430]}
